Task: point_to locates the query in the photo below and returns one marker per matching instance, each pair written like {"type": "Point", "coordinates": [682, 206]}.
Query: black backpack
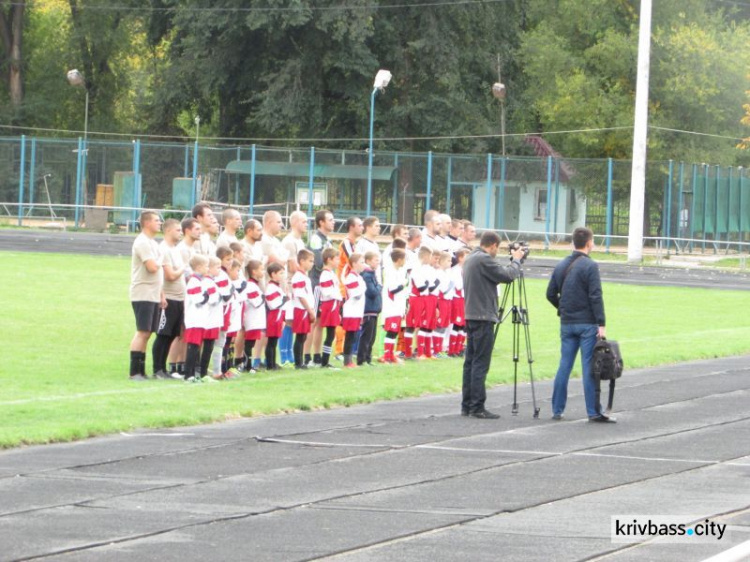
{"type": "Point", "coordinates": [606, 365]}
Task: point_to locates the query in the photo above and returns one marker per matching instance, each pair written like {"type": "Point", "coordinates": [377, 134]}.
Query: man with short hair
{"type": "Point", "coordinates": [209, 227]}
{"type": "Point", "coordinates": [442, 234]}
{"type": "Point", "coordinates": [188, 247]}
{"type": "Point", "coordinates": [273, 250]}
{"type": "Point", "coordinates": [232, 221]}
{"type": "Point", "coordinates": [368, 242]}
{"type": "Point", "coordinates": [251, 243]}
{"type": "Point", "coordinates": [481, 275]}
{"type": "Point", "coordinates": [413, 243]}
{"type": "Point", "coordinates": [317, 243]}
{"type": "Point", "coordinates": [146, 295]}
{"type": "Point", "coordinates": [469, 233]}
{"type": "Point", "coordinates": [575, 290]}
{"type": "Point", "coordinates": [455, 233]}
{"type": "Point", "coordinates": [348, 246]}
{"type": "Point", "coordinates": [431, 230]}
{"type": "Point", "coordinates": [294, 241]}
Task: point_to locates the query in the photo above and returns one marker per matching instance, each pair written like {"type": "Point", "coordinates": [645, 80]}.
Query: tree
{"type": "Point", "coordinates": [11, 40]}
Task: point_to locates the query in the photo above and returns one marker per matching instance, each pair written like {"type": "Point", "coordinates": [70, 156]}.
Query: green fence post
{"type": "Point", "coordinates": [717, 235]}
{"type": "Point", "coordinates": [311, 180]}
{"type": "Point", "coordinates": [195, 171]}
{"type": "Point", "coordinates": [500, 199]}
{"type": "Point", "coordinates": [32, 174]}
{"type": "Point", "coordinates": [395, 208]}
{"type": "Point", "coordinates": [488, 199]}
{"type": "Point", "coordinates": [79, 173]}
{"type": "Point", "coordinates": [741, 234]}
{"type": "Point", "coordinates": [448, 186]}
{"type": "Point", "coordinates": [680, 204]}
{"type": "Point", "coordinates": [429, 182]}
{"type": "Point", "coordinates": [549, 193]}
{"type": "Point", "coordinates": [237, 181]}
{"type": "Point", "coordinates": [252, 182]}
{"type": "Point", "coordinates": [691, 218]}
{"type": "Point", "coordinates": [137, 196]}
{"type": "Point", "coordinates": [668, 229]}
{"type": "Point", "coordinates": [730, 177]}
{"type": "Point", "coordinates": [21, 180]}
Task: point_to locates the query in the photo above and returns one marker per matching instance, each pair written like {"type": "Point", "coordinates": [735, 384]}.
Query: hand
{"type": "Point", "coordinates": [602, 332]}
{"type": "Point", "coordinates": [517, 254]}
{"type": "Point", "coordinates": [163, 303]}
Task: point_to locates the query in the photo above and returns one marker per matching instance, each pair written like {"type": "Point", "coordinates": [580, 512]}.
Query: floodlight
{"type": "Point", "coordinates": [382, 78]}
{"type": "Point", "coordinates": [498, 90]}
{"type": "Point", "coordinates": [75, 78]}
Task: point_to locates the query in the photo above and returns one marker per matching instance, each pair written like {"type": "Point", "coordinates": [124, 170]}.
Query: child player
{"type": "Point", "coordinates": [275, 299]}
{"type": "Point", "coordinates": [458, 332]}
{"type": "Point", "coordinates": [394, 303]}
{"type": "Point", "coordinates": [234, 325]}
{"type": "Point", "coordinates": [445, 297]}
{"type": "Point", "coordinates": [304, 312]}
{"type": "Point", "coordinates": [354, 306]}
{"type": "Point", "coordinates": [330, 302]}
{"type": "Point", "coordinates": [254, 315]}
{"type": "Point", "coordinates": [226, 294]}
{"type": "Point", "coordinates": [418, 288]}
{"type": "Point", "coordinates": [215, 312]}
{"type": "Point", "coordinates": [196, 315]}
{"type": "Point", "coordinates": [373, 306]}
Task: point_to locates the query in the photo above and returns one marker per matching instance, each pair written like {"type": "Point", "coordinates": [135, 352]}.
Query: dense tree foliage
{"type": "Point", "coordinates": [303, 69]}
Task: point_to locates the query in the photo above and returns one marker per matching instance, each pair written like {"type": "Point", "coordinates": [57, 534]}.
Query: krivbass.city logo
{"type": "Point", "coordinates": [665, 528]}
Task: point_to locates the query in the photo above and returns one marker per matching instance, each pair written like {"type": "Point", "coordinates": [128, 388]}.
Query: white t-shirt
{"type": "Point", "coordinates": [145, 286]}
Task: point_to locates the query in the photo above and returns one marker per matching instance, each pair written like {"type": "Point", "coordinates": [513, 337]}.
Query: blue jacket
{"type": "Point", "coordinates": [578, 297]}
{"type": "Point", "coordinates": [373, 293]}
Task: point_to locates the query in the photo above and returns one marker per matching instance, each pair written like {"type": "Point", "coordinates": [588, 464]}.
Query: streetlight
{"type": "Point", "coordinates": [76, 79]}
{"type": "Point", "coordinates": [498, 90]}
{"type": "Point", "coordinates": [197, 121]}
{"type": "Point", "coordinates": [382, 78]}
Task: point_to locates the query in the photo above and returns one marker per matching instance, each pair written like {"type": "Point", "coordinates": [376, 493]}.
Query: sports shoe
{"type": "Point", "coordinates": [163, 375]}
{"type": "Point", "coordinates": [464, 412]}
{"type": "Point", "coordinates": [138, 378]}
{"type": "Point", "coordinates": [384, 359]}
{"type": "Point", "coordinates": [484, 415]}
{"type": "Point", "coordinates": [351, 366]}
{"type": "Point", "coordinates": [330, 367]}
{"type": "Point", "coordinates": [193, 380]}
{"type": "Point", "coordinates": [232, 373]}
{"type": "Point", "coordinates": [209, 379]}
{"type": "Point", "coordinates": [300, 367]}
{"type": "Point", "coordinates": [312, 365]}
{"type": "Point", "coordinates": [601, 418]}
{"type": "Point", "coordinates": [558, 417]}
{"type": "Point", "coordinates": [176, 376]}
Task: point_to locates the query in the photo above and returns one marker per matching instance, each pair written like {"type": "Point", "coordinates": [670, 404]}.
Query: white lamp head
{"type": "Point", "coordinates": [75, 78]}
{"type": "Point", "coordinates": [382, 78]}
{"type": "Point", "coordinates": [498, 90]}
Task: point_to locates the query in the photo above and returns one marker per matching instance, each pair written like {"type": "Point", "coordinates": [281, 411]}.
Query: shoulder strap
{"type": "Point", "coordinates": [570, 266]}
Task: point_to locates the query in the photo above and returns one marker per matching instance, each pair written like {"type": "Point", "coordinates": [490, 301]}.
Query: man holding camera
{"type": "Point", "coordinates": [575, 290]}
{"type": "Point", "coordinates": [481, 275]}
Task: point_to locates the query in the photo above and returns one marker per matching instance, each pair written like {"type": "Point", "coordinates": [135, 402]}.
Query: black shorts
{"type": "Point", "coordinates": [171, 319]}
{"type": "Point", "coordinates": [146, 315]}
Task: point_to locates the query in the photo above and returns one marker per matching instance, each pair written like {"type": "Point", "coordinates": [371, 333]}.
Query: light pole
{"type": "Point", "coordinates": [382, 78]}
{"type": "Point", "coordinates": [498, 90]}
{"type": "Point", "coordinates": [76, 79]}
{"type": "Point", "coordinates": [195, 158]}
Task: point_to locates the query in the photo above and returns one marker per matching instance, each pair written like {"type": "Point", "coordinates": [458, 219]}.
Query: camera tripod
{"type": "Point", "coordinates": [518, 311]}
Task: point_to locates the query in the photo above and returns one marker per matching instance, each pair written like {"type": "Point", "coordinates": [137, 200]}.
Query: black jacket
{"type": "Point", "coordinates": [481, 274]}
{"type": "Point", "coordinates": [373, 292]}
{"type": "Point", "coordinates": [579, 300]}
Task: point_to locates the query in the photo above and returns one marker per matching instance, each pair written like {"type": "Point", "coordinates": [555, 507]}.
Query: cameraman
{"type": "Point", "coordinates": [481, 274]}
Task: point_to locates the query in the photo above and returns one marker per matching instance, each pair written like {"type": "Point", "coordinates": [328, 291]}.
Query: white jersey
{"type": "Point", "coordinates": [443, 283]}
{"type": "Point", "coordinates": [236, 306]}
{"type": "Point", "coordinates": [272, 248]}
{"type": "Point", "coordinates": [395, 293]}
{"type": "Point", "coordinates": [254, 317]}
{"type": "Point", "coordinates": [196, 310]}
{"type": "Point", "coordinates": [302, 289]}
{"type": "Point", "coordinates": [225, 239]}
{"type": "Point", "coordinates": [173, 290]}
{"type": "Point", "coordinates": [215, 305]}
{"type": "Point", "coordinates": [430, 241]}
{"type": "Point", "coordinates": [354, 306]}
{"type": "Point", "coordinates": [205, 245]}
{"type": "Point", "coordinates": [363, 246]}
{"type": "Point", "coordinates": [275, 297]}
{"type": "Point", "coordinates": [330, 287]}
{"type": "Point", "coordinates": [427, 276]}
{"type": "Point", "coordinates": [456, 273]}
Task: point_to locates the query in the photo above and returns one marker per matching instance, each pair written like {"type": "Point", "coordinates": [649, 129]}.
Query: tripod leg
{"type": "Point", "coordinates": [516, 344]}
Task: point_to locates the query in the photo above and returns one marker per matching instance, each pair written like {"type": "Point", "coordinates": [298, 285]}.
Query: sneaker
{"type": "Point", "coordinates": [384, 359]}
{"type": "Point", "coordinates": [601, 418]}
{"type": "Point", "coordinates": [138, 378]}
{"type": "Point", "coordinates": [339, 357]}
{"type": "Point", "coordinates": [312, 365]}
{"type": "Point", "coordinates": [208, 379]}
{"type": "Point", "coordinates": [464, 412]}
{"type": "Point", "coordinates": [193, 380]}
{"type": "Point", "coordinates": [401, 355]}
{"type": "Point", "coordinates": [351, 366]}
{"type": "Point", "coordinates": [163, 375]}
{"type": "Point", "coordinates": [219, 377]}
{"type": "Point", "coordinates": [177, 376]}
{"type": "Point", "coordinates": [232, 373]}
{"type": "Point", "coordinates": [484, 415]}
{"type": "Point", "coordinates": [276, 368]}
{"type": "Point", "coordinates": [558, 417]}
{"type": "Point", "coordinates": [300, 367]}
{"type": "Point", "coordinates": [330, 367]}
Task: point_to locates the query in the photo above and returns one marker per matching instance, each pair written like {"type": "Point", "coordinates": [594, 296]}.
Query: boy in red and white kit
{"type": "Point", "coordinates": [458, 332]}
{"type": "Point", "coordinates": [215, 312]}
{"type": "Point", "coordinates": [254, 315]}
{"type": "Point", "coordinates": [445, 297]}
{"type": "Point", "coordinates": [418, 288]}
{"type": "Point", "coordinates": [330, 303]}
{"type": "Point", "coordinates": [304, 301]}
{"type": "Point", "coordinates": [354, 306]}
{"type": "Point", "coordinates": [197, 316]}
{"type": "Point", "coordinates": [226, 294]}
{"type": "Point", "coordinates": [394, 304]}
{"type": "Point", "coordinates": [234, 321]}
{"type": "Point", "coordinates": [275, 300]}
{"type": "Point", "coordinates": [428, 271]}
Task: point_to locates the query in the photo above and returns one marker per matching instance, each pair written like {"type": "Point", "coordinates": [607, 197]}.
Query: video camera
{"type": "Point", "coordinates": [520, 245]}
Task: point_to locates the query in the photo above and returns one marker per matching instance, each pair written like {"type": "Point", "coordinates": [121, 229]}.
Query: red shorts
{"type": "Point", "coordinates": [301, 322]}
{"type": "Point", "coordinates": [457, 311]}
{"type": "Point", "coordinates": [193, 335]}
{"type": "Point", "coordinates": [212, 334]}
{"type": "Point", "coordinates": [351, 324]}
{"type": "Point", "coordinates": [415, 313]}
{"type": "Point", "coordinates": [330, 315]}
{"type": "Point", "coordinates": [274, 323]}
{"type": "Point", "coordinates": [230, 335]}
{"type": "Point", "coordinates": [444, 308]}
{"type": "Point", "coordinates": [392, 324]}
{"type": "Point", "coordinates": [253, 335]}
{"type": "Point", "coordinates": [429, 317]}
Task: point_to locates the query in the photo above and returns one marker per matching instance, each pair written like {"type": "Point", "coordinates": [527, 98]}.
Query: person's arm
{"type": "Point", "coordinates": [150, 261]}
{"type": "Point", "coordinates": [553, 291]}
{"type": "Point", "coordinates": [596, 300]}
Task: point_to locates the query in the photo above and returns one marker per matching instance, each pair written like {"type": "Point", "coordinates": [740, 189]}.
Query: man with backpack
{"type": "Point", "coordinates": [575, 290]}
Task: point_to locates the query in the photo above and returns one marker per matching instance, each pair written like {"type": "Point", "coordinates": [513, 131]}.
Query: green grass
{"type": "Point", "coordinates": [68, 324]}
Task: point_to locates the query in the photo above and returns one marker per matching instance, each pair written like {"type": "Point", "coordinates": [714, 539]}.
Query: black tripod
{"type": "Point", "coordinates": [519, 313]}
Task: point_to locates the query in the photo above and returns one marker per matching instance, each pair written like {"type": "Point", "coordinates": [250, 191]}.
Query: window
{"type": "Point", "coordinates": [540, 205]}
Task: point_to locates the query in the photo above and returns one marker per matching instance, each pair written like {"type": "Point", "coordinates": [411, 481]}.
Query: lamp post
{"type": "Point", "coordinates": [498, 90]}
{"type": "Point", "coordinates": [195, 158]}
{"type": "Point", "coordinates": [76, 79]}
{"type": "Point", "coordinates": [382, 78]}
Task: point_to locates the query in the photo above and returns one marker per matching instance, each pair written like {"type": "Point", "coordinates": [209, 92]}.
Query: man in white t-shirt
{"type": "Point", "coordinates": [273, 251]}
{"type": "Point", "coordinates": [431, 230]}
{"type": "Point", "coordinates": [232, 222]}
{"type": "Point", "coordinates": [209, 228]}
{"type": "Point", "coordinates": [368, 242]}
{"type": "Point", "coordinates": [251, 243]}
{"type": "Point", "coordinates": [294, 241]}
{"type": "Point", "coordinates": [146, 294]}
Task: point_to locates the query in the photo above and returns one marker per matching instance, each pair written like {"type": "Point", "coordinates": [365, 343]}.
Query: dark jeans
{"type": "Point", "coordinates": [479, 343]}
{"type": "Point", "coordinates": [367, 339]}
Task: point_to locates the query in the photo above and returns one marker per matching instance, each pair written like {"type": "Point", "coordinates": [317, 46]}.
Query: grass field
{"type": "Point", "coordinates": [68, 323]}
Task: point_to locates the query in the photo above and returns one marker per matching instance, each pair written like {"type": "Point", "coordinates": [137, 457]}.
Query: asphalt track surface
{"type": "Point", "coordinates": [410, 480]}
{"type": "Point", "coordinates": [120, 245]}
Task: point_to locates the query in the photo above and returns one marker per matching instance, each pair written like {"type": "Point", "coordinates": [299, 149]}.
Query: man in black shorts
{"type": "Point", "coordinates": [146, 293]}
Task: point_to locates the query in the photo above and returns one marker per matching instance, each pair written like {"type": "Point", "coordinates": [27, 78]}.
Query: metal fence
{"type": "Point", "coordinates": [688, 206]}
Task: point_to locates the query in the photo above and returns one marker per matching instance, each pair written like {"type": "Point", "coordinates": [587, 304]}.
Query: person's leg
{"type": "Point", "coordinates": [217, 353]}
{"type": "Point", "coordinates": [327, 345]}
{"type": "Point", "coordinates": [271, 353]}
{"type": "Point", "coordinates": [159, 352]}
{"type": "Point", "coordinates": [299, 346]}
{"type": "Point", "coordinates": [248, 352]}
{"type": "Point", "coordinates": [484, 339]}
{"type": "Point", "coordinates": [348, 345]}
{"type": "Point", "coordinates": [587, 338]}
{"type": "Point", "coordinates": [239, 349]}
{"type": "Point", "coordinates": [138, 353]}
{"type": "Point", "coordinates": [208, 348]}
{"type": "Point", "coordinates": [568, 350]}
{"type": "Point", "coordinates": [192, 356]}
{"type": "Point", "coordinates": [317, 340]}
{"type": "Point", "coordinates": [364, 339]}
{"type": "Point", "coordinates": [468, 365]}
{"type": "Point", "coordinates": [408, 342]}
{"type": "Point", "coordinates": [373, 337]}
